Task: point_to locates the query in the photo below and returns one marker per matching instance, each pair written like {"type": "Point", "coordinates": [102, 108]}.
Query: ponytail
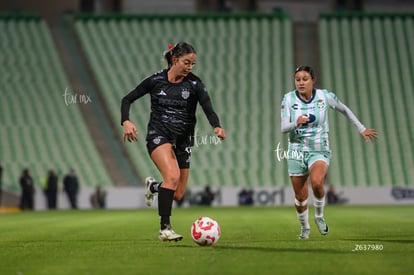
{"type": "Point", "coordinates": [180, 49]}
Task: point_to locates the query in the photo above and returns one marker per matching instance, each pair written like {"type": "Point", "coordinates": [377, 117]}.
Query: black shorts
{"type": "Point", "coordinates": [181, 145]}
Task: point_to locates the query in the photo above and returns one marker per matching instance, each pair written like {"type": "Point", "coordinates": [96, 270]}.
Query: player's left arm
{"type": "Point", "coordinates": [207, 106]}
{"type": "Point", "coordinates": [367, 133]}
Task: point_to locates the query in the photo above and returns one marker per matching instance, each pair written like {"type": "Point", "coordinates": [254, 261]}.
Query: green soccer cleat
{"type": "Point", "coordinates": [304, 233]}
{"type": "Point", "coordinates": [322, 226]}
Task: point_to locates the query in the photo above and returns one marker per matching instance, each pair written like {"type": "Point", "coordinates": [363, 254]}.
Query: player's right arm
{"type": "Point", "coordinates": [130, 130]}
{"type": "Point", "coordinates": [287, 123]}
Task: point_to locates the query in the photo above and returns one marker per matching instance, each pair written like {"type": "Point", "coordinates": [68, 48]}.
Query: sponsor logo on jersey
{"type": "Point", "coordinates": [162, 93]}
{"type": "Point", "coordinates": [311, 117]}
{"type": "Point", "coordinates": [295, 106]}
{"type": "Point", "coordinates": [172, 102]}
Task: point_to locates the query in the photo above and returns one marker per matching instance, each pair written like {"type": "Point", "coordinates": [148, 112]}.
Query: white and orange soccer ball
{"type": "Point", "coordinates": [205, 231]}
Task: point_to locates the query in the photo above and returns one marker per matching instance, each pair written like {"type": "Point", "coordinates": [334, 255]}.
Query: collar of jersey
{"type": "Point", "coordinates": [304, 101]}
{"type": "Point", "coordinates": [172, 83]}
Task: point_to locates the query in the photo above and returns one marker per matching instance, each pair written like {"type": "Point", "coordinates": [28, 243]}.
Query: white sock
{"type": "Point", "coordinates": [303, 219]}
{"type": "Point", "coordinates": [319, 205]}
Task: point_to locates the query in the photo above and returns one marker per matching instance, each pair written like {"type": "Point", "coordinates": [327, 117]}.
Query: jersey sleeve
{"type": "Point", "coordinates": [143, 88]}
{"type": "Point", "coordinates": [336, 104]}
{"type": "Point", "coordinates": [207, 106]}
{"type": "Point", "coordinates": [286, 124]}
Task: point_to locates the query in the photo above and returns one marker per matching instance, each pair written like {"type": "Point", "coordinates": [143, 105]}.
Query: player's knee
{"type": "Point", "coordinates": [178, 195]}
{"type": "Point", "coordinates": [171, 180]}
{"type": "Point", "coordinates": [180, 192]}
{"type": "Point", "coordinates": [318, 192]}
{"type": "Point", "coordinates": [316, 180]}
{"type": "Point", "coordinates": [317, 186]}
{"type": "Point", "coordinates": [174, 176]}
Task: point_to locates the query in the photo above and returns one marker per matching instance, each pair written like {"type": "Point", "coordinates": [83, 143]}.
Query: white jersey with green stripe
{"type": "Point", "coordinates": [314, 135]}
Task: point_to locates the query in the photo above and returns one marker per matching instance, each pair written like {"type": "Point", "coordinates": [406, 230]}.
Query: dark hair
{"type": "Point", "coordinates": [306, 69]}
{"type": "Point", "coordinates": [180, 49]}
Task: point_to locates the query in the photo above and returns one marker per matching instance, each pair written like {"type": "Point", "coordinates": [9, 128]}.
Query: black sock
{"type": "Point", "coordinates": [154, 188]}
{"type": "Point", "coordinates": [165, 222]}
{"type": "Point", "coordinates": [165, 201]}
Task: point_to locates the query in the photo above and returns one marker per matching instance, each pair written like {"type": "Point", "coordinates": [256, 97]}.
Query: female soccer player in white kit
{"type": "Point", "coordinates": [304, 115]}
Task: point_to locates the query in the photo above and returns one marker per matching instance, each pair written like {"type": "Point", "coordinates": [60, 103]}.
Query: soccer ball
{"type": "Point", "coordinates": [205, 231]}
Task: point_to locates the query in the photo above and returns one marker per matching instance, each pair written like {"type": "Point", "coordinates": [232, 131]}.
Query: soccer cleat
{"type": "Point", "coordinates": [149, 196]}
{"type": "Point", "coordinates": [304, 233]}
{"type": "Point", "coordinates": [322, 226]}
{"type": "Point", "coordinates": [168, 234]}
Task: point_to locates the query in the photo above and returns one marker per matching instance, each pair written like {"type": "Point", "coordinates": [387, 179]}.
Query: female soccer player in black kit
{"type": "Point", "coordinates": [174, 92]}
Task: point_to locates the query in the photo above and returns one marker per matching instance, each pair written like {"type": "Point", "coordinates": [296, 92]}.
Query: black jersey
{"type": "Point", "coordinates": [173, 105]}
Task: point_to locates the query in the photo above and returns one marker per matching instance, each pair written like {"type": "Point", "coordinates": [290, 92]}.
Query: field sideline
{"type": "Point", "coordinates": [256, 240]}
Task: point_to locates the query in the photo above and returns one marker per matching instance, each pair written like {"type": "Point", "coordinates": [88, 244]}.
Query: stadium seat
{"type": "Point", "coordinates": [41, 131]}
{"type": "Point", "coordinates": [242, 60]}
{"type": "Point", "coordinates": [366, 61]}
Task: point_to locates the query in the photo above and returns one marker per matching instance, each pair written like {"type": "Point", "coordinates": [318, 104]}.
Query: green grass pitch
{"type": "Point", "coordinates": [254, 240]}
